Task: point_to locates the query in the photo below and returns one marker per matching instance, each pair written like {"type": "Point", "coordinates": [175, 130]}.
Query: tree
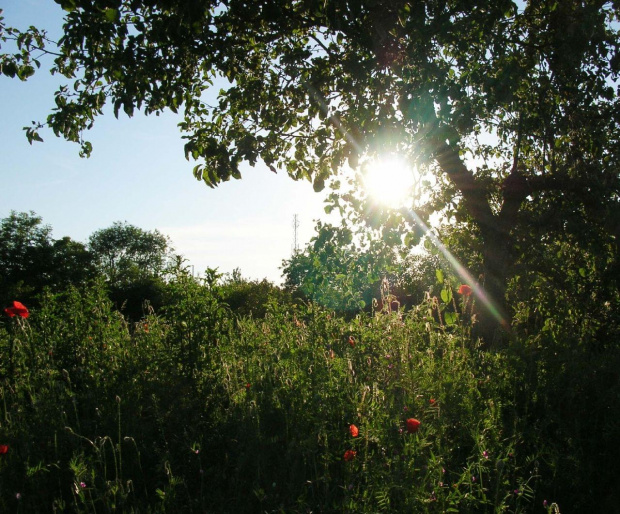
{"type": "Point", "coordinates": [250, 297]}
{"type": "Point", "coordinates": [133, 261]}
{"type": "Point", "coordinates": [512, 105]}
{"type": "Point", "coordinates": [126, 253]}
{"type": "Point", "coordinates": [339, 269]}
{"type": "Point", "coordinates": [30, 259]}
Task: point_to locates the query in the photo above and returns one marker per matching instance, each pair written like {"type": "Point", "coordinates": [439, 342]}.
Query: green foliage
{"type": "Point", "coordinates": [134, 262]}
{"type": "Point", "coordinates": [337, 271]}
{"type": "Point", "coordinates": [182, 410]}
{"type": "Point", "coordinates": [510, 105]}
{"type": "Point", "coordinates": [250, 297]}
{"type": "Point", "coordinates": [344, 270]}
{"type": "Point", "coordinates": [30, 259]}
{"type": "Point", "coordinates": [126, 253]}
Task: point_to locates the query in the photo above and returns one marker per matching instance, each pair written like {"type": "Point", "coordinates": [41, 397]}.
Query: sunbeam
{"type": "Point", "coordinates": [458, 267]}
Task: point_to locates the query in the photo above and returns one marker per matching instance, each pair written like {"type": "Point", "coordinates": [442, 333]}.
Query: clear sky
{"type": "Point", "coordinates": [138, 173]}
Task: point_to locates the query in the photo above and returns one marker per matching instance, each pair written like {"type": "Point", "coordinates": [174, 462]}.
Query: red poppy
{"type": "Point", "coordinates": [432, 401]}
{"type": "Point", "coordinates": [349, 455]}
{"type": "Point", "coordinates": [354, 431]}
{"type": "Point", "coordinates": [247, 386]}
{"type": "Point", "coordinates": [4, 449]}
{"type": "Point", "coordinates": [351, 341]}
{"type": "Point", "coordinates": [412, 425]}
{"type": "Point", "coordinates": [465, 290]}
{"type": "Point", "coordinates": [18, 309]}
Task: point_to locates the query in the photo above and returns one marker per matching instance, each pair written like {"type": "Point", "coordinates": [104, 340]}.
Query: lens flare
{"type": "Point", "coordinates": [457, 266]}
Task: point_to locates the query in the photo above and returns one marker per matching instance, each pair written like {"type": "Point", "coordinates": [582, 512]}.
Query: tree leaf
{"type": "Point", "coordinates": [439, 275]}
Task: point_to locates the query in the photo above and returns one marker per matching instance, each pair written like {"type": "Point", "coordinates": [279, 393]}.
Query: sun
{"type": "Point", "coordinates": [389, 180]}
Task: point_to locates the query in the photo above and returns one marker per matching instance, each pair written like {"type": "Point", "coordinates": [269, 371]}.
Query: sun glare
{"type": "Point", "coordinates": [389, 181]}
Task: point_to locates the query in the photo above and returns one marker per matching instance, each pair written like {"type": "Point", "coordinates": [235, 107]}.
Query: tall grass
{"type": "Point", "coordinates": [198, 410]}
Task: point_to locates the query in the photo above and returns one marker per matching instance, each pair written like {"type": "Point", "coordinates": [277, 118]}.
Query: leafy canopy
{"type": "Point", "coordinates": [513, 105]}
{"type": "Point", "coordinates": [126, 253]}
{"type": "Point", "coordinates": [30, 259]}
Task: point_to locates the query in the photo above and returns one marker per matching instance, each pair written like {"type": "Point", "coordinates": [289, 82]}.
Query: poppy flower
{"type": "Point", "coordinates": [351, 341]}
{"type": "Point", "coordinates": [432, 401]}
{"type": "Point", "coordinates": [412, 425]}
{"type": "Point", "coordinates": [247, 386]}
{"type": "Point", "coordinates": [354, 431]}
{"type": "Point", "coordinates": [465, 290]}
{"type": "Point", "coordinates": [4, 449]}
{"type": "Point", "coordinates": [349, 455]}
{"type": "Point", "coordinates": [18, 309]}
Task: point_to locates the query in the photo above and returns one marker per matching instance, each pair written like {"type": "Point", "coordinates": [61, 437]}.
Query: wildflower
{"type": "Point", "coordinates": [349, 455]}
{"type": "Point", "coordinates": [351, 341]}
{"type": "Point", "coordinates": [405, 408]}
{"type": "Point", "coordinates": [516, 491]}
{"type": "Point", "coordinates": [473, 479]}
{"type": "Point", "coordinates": [18, 309]}
{"type": "Point", "coordinates": [432, 401]}
{"type": "Point", "coordinates": [4, 449]}
{"type": "Point", "coordinates": [354, 431]}
{"type": "Point", "coordinates": [465, 290]}
{"type": "Point", "coordinates": [412, 425]}
{"type": "Point", "coordinates": [18, 496]}
{"type": "Point", "coordinates": [545, 503]}
{"type": "Point", "coordinates": [485, 454]}
{"type": "Point", "coordinates": [82, 485]}
{"type": "Point", "coordinates": [247, 386]}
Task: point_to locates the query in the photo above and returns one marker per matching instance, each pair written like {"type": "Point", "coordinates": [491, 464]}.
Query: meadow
{"type": "Point", "coordinates": [200, 408]}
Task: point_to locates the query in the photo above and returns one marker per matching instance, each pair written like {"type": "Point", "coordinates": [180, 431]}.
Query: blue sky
{"type": "Point", "coordinates": [138, 173]}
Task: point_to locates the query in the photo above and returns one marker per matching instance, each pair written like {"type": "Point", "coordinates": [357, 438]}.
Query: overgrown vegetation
{"type": "Point", "coordinates": [199, 409]}
{"type": "Point", "coordinates": [362, 386]}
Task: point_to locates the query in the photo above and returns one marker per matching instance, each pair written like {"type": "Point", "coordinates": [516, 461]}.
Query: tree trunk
{"type": "Point", "coordinates": [498, 260]}
{"type": "Point", "coordinates": [494, 318]}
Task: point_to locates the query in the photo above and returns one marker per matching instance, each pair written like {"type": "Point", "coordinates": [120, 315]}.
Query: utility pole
{"type": "Point", "coordinates": [295, 227]}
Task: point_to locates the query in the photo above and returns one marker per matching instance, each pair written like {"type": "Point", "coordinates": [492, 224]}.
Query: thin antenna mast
{"type": "Point", "coordinates": [295, 227]}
